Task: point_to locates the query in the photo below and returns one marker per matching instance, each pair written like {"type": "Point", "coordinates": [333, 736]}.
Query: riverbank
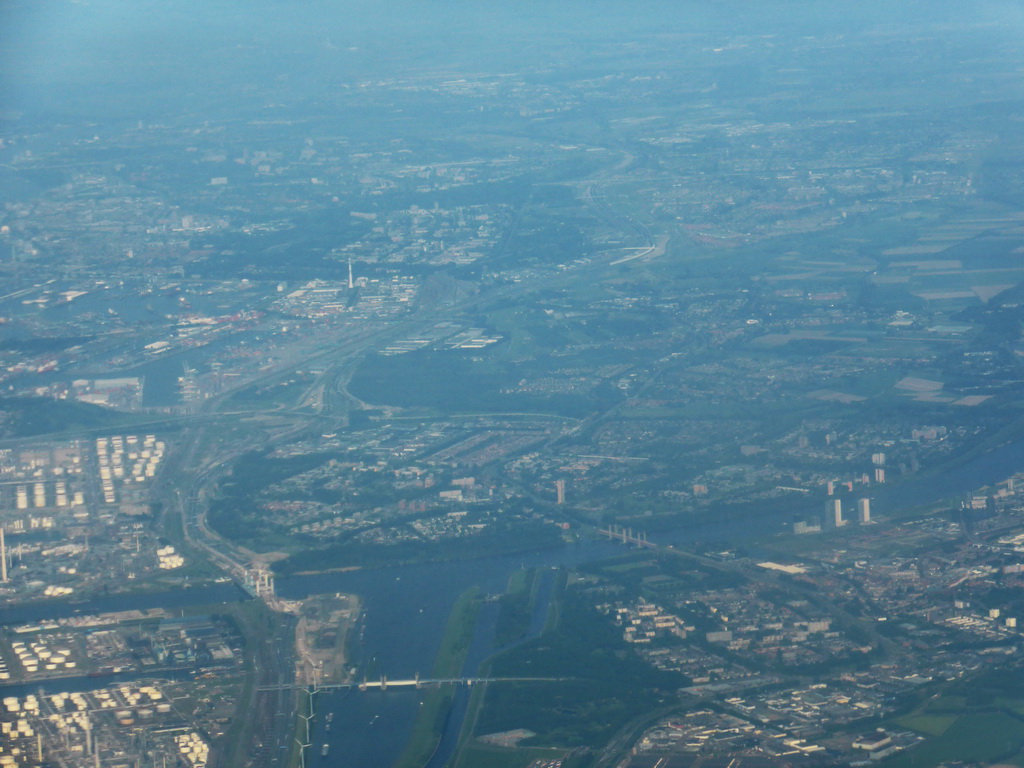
{"type": "Point", "coordinates": [437, 703]}
{"type": "Point", "coordinates": [321, 637]}
{"type": "Point", "coordinates": [345, 569]}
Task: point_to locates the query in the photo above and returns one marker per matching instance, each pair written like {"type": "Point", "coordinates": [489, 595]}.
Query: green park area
{"type": "Point", "coordinates": [980, 721]}
{"type": "Point", "coordinates": [596, 690]}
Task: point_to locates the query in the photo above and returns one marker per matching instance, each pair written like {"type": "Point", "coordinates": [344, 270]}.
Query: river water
{"type": "Point", "coordinates": [406, 610]}
{"type": "Point", "coordinates": [405, 614]}
{"type": "Point", "coordinates": [181, 598]}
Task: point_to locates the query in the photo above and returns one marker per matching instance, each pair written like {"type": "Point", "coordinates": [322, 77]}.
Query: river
{"type": "Point", "coordinates": [406, 610]}
{"type": "Point", "coordinates": [226, 592]}
{"type": "Point", "coordinates": [405, 614]}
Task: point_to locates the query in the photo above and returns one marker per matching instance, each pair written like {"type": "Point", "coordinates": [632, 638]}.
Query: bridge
{"type": "Point", "coordinates": [626, 536]}
{"type": "Point", "coordinates": [416, 682]}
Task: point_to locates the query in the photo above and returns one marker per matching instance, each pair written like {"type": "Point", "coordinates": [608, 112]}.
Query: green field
{"type": "Point", "coordinates": [932, 725]}
{"type": "Point", "coordinates": [35, 416]}
{"type": "Point", "coordinates": [605, 684]}
{"type": "Point", "coordinates": [975, 737]}
{"type": "Point", "coordinates": [516, 608]}
{"type": "Point", "coordinates": [976, 721]}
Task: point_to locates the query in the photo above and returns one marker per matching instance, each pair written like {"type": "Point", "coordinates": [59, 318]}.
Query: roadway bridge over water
{"type": "Point", "coordinates": [416, 682]}
{"type": "Point", "coordinates": [626, 536]}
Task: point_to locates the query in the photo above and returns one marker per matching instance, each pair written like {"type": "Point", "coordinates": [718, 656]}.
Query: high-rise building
{"type": "Point", "coordinates": [863, 511]}
{"type": "Point", "coordinates": [560, 491]}
{"type": "Point", "coordinates": [834, 514]}
{"type": "Point", "coordinates": [879, 475]}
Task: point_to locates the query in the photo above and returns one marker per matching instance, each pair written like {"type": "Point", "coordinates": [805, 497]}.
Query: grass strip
{"type": "Point", "coordinates": [451, 656]}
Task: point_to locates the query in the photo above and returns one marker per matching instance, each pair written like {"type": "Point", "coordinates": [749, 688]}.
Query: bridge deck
{"type": "Point", "coordinates": [384, 683]}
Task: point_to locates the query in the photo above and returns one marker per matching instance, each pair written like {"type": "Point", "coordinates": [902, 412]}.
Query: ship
{"type": "Point", "coordinates": [323, 750]}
